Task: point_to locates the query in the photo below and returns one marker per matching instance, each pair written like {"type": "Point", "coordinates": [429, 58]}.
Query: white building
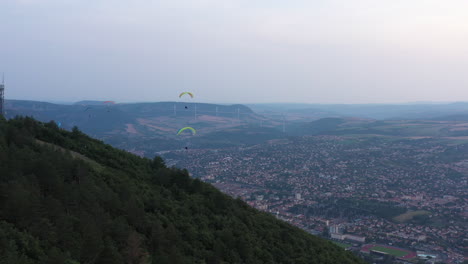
{"type": "Point", "coordinates": [298, 196]}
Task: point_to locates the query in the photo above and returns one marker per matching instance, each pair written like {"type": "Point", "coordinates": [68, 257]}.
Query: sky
{"type": "Point", "coordinates": [235, 51]}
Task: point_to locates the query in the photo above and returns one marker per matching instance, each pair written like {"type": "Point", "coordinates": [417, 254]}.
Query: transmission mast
{"type": "Point", "coordinates": [2, 100]}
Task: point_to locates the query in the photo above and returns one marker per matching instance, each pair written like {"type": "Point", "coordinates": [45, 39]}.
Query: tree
{"type": "Point", "coordinates": [134, 253]}
{"type": "Point", "coordinates": [158, 163]}
{"type": "Point", "coordinates": [109, 254]}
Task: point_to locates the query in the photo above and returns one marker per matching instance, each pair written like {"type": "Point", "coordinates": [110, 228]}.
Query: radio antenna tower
{"type": "Point", "coordinates": [2, 91]}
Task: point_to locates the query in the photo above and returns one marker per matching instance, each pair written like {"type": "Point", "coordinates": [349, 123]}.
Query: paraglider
{"type": "Point", "coordinates": [184, 93]}
{"type": "Point", "coordinates": [187, 128]}
{"type": "Point", "coordinates": [108, 103]}
{"type": "Point", "coordinates": [186, 107]}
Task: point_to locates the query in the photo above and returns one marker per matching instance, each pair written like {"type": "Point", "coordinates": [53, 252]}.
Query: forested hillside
{"type": "Point", "coordinates": [68, 198]}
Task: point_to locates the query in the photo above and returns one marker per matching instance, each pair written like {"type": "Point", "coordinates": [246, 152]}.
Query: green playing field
{"type": "Point", "coordinates": [391, 251]}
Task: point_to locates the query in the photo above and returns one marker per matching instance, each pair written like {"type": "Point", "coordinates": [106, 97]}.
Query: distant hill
{"type": "Point", "coordinates": [453, 117]}
{"type": "Point", "coordinates": [448, 126]}
{"type": "Point", "coordinates": [143, 119]}
{"type": "Point", "coordinates": [148, 128]}
{"type": "Point", "coordinates": [89, 103]}
{"type": "Point", "coordinates": [239, 136]}
{"type": "Point", "coordinates": [321, 126]}
{"type": "Point", "coordinates": [68, 198]}
{"type": "Point", "coordinates": [409, 111]}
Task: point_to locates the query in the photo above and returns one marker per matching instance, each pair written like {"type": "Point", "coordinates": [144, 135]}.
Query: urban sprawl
{"type": "Point", "coordinates": [405, 193]}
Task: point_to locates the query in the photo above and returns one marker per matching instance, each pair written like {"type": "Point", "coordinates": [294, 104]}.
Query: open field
{"type": "Point", "coordinates": [74, 154]}
{"type": "Point", "coordinates": [391, 251]}
{"type": "Point", "coordinates": [409, 215]}
{"type": "Point", "coordinates": [394, 251]}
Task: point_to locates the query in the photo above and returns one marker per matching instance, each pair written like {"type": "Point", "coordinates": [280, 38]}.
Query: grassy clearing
{"type": "Point", "coordinates": [391, 251]}
{"type": "Point", "coordinates": [76, 155]}
{"type": "Point", "coordinates": [409, 215]}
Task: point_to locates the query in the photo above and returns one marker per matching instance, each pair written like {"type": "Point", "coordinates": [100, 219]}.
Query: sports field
{"type": "Point", "coordinates": [409, 215]}
{"type": "Point", "coordinates": [394, 251]}
{"type": "Point", "coordinates": [391, 251]}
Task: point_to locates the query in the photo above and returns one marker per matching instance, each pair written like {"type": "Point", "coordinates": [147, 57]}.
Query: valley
{"type": "Point", "coordinates": [349, 179]}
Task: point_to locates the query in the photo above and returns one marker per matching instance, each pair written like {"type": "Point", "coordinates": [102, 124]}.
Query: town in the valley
{"type": "Point", "coordinates": [406, 197]}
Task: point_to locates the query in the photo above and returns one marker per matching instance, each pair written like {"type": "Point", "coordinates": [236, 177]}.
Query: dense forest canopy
{"type": "Point", "coordinates": [68, 198]}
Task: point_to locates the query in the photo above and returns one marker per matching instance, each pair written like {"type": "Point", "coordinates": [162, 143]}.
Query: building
{"type": "Point", "coordinates": [298, 196]}
{"type": "Point", "coordinates": [335, 229]}
{"type": "Point", "coordinates": [337, 236]}
{"type": "Point", "coordinates": [425, 255]}
{"type": "Point", "coordinates": [350, 237]}
{"type": "Point", "coordinates": [355, 238]}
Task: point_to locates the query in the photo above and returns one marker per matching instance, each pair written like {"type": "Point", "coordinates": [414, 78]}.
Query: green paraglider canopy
{"type": "Point", "coordinates": [187, 128]}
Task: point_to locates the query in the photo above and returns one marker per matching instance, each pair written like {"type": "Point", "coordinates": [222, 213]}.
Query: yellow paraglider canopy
{"type": "Point", "coordinates": [187, 128]}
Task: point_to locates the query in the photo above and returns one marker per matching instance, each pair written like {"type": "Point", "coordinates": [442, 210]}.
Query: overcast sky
{"type": "Point", "coordinates": [239, 51]}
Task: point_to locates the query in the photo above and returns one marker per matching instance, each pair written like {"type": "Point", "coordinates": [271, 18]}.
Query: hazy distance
{"type": "Point", "coordinates": [235, 51]}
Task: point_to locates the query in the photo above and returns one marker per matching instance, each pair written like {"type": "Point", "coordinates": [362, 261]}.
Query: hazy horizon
{"type": "Point", "coordinates": [226, 51]}
{"type": "Point", "coordinates": [251, 103]}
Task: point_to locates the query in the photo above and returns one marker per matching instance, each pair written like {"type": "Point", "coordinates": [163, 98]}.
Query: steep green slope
{"type": "Point", "coordinates": [77, 200]}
